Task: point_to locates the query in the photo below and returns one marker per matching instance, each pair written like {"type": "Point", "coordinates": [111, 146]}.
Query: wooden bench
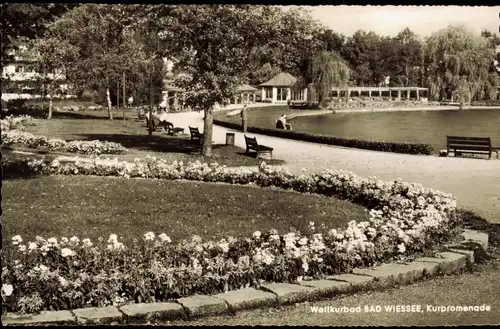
{"type": "Point", "coordinates": [170, 129]}
{"type": "Point", "coordinates": [469, 145]}
{"type": "Point", "coordinates": [195, 134]}
{"type": "Point", "coordinates": [252, 145]}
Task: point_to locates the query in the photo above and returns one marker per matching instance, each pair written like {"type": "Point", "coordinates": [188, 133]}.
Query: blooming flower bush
{"type": "Point", "coordinates": [18, 122]}
{"type": "Point", "coordinates": [12, 134]}
{"type": "Point", "coordinates": [404, 220]}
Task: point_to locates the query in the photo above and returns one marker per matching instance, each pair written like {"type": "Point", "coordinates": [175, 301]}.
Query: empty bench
{"type": "Point", "coordinates": [195, 134]}
{"type": "Point", "coordinates": [469, 145]}
{"type": "Point", "coordinates": [171, 130]}
{"type": "Point", "coordinates": [252, 145]}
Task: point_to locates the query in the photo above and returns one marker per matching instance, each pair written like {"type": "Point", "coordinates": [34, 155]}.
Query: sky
{"type": "Point", "coordinates": [389, 20]}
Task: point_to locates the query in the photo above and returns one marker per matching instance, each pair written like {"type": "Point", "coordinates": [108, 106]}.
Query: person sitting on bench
{"type": "Point", "coordinates": [282, 124]}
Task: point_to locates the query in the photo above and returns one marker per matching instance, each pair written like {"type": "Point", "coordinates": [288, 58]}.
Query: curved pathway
{"type": "Point", "coordinates": [475, 182]}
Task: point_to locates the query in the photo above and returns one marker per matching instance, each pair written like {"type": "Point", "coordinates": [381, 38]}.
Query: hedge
{"type": "Point", "coordinates": [395, 147]}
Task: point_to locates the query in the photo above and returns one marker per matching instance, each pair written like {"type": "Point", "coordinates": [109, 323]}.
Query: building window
{"type": "Point", "coordinates": [282, 94]}
{"type": "Point", "coordinates": [268, 92]}
{"type": "Point", "coordinates": [298, 95]}
{"type": "Point", "coordinates": [19, 68]}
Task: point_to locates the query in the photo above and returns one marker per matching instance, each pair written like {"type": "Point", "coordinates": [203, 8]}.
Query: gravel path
{"type": "Point", "coordinates": [475, 182]}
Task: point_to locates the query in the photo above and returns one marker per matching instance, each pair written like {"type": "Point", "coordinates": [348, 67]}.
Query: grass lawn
{"type": "Point", "coordinates": [88, 206]}
{"type": "Point", "coordinates": [92, 125]}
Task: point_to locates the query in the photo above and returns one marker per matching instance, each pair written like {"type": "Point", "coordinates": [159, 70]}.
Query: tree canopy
{"type": "Point", "coordinates": [457, 59]}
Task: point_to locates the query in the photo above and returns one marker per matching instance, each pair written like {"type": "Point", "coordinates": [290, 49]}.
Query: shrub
{"type": "Point", "coordinates": [67, 273]}
{"type": "Point", "coordinates": [407, 148]}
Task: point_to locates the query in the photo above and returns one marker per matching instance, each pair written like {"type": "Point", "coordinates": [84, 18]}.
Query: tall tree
{"type": "Point", "coordinates": [105, 46]}
{"type": "Point", "coordinates": [362, 53]}
{"type": "Point", "coordinates": [457, 60]}
{"type": "Point", "coordinates": [326, 70]}
{"type": "Point", "coordinates": [217, 42]}
{"type": "Point", "coordinates": [53, 58]}
{"type": "Point", "coordinates": [333, 41]}
{"type": "Point", "coordinates": [26, 21]}
{"type": "Point", "coordinates": [408, 59]}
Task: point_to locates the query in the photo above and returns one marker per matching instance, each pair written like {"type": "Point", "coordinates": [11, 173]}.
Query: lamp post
{"type": "Point", "coordinates": [150, 121]}
{"type": "Point", "coordinates": [123, 86]}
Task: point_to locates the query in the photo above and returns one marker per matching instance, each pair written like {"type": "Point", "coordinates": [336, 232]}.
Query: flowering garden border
{"type": "Point", "coordinates": [12, 134]}
{"type": "Point", "coordinates": [405, 220]}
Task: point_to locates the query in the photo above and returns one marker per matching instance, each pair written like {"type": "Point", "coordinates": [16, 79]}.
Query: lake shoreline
{"type": "Point", "coordinates": [414, 109]}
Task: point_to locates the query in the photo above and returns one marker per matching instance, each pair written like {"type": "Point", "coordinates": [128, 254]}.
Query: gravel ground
{"type": "Point", "coordinates": [475, 182]}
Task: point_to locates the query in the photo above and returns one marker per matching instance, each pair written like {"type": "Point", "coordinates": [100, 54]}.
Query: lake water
{"type": "Point", "coordinates": [419, 126]}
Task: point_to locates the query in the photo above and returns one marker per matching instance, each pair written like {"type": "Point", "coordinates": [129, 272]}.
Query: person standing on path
{"type": "Point", "coordinates": [244, 118]}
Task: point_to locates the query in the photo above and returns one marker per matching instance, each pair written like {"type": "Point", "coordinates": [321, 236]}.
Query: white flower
{"type": "Point", "coordinates": [303, 241]}
{"type": "Point", "coordinates": [274, 237]}
{"type": "Point", "coordinates": [299, 279]}
{"type": "Point", "coordinates": [32, 246]}
{"type": "Point", "coordinates": [164, 238]}
{"type": "Point", "coordinates": [63, 281]}
{"type": "Point", "coordinates": [74, 240]}
{"type": "Point", "coordinates": [65, 252]}
{"type": "Point", "coordinates": [52, 241]}
{"type": "Point", "coordinates": [7, 289]}
{"type": "Point", "coordinates": [150, 236]}
{"type": "Point", "coordinates": [43, 268]}
{"type": "Point", "coordinates": [16, 240]}
{"type": "Point", "coordinates": [401, 248]}
{"type": "Point", "coordinates": [64, 239]}
{"type": "Point", "coordinates": [224, 247]}
{"type": "Point", "coordinates": [257, 234]}
{"type": "Point", "coordinates": [113, 238]}
{"type": "Point", "coordinates": [87, 243]}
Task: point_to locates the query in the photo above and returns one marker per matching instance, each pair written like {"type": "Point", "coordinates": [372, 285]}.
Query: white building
{"type": "Point", "coordinates": [22, 76]}
{"type": "Point", "coordinates": [280, 89]}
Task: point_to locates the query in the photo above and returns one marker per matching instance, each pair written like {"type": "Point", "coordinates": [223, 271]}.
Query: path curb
{"type": "Point", "coordinates": [386, 275]}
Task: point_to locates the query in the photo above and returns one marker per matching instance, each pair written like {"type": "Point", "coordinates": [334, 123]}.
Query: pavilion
{"type": "Point", "coordinates": [280, 89]}
{"type": "Point", "coordinates": [243, 94]}
{"type": "Point", "coordinates": [393, 93]}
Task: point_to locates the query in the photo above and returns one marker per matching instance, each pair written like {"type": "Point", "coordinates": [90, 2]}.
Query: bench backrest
{"type": "Point", "coordinates": [251, 141]}
{"type": "Point", "coordinates": [169, 124]}
{"type": "Point", "coordinates": [194, 131]}
{"type": "Point", "coordinates": [471, 141]}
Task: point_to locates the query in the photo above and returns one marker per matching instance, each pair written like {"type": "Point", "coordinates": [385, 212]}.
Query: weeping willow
{"type": "Point", "coordinates": [459, 60]}
{"type": "Point", "coordinates": [323, 72]}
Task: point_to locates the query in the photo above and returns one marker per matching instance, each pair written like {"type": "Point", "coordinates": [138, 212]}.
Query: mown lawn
{"type": "Point", "coordinates": [92, 125]}
{"type": "Point", "coordinates": [88, 206]}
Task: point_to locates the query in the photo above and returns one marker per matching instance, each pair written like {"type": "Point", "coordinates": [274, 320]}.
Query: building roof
{"type": "Point", "coordinates": [243, 88]}
{"type": "Point", "coordinates": [281, 80]}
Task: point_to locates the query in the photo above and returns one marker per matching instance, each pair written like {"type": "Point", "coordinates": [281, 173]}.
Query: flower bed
{"type": "Point", "coordinates": [12, 134]}
{"type": "Point", "coordinates": [405, 219]}
{"type": "Point", "coordinates": [406, 148]}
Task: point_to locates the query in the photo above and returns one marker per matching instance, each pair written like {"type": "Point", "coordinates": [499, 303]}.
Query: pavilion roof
{"type": "Point", "coordinates": [246, 88]}
{"type": "Point", "coordinates": [283, 79]}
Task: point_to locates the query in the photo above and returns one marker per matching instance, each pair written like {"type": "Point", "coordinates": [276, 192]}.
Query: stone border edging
{"type": "Point", "coordinates": [448, 262]}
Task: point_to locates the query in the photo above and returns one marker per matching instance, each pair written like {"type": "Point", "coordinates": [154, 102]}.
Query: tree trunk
{"type": "Point", "coordinates": [49, 115]}
{"type": "Point", "coordinates": [310, 96]}
{"type": "Point", "coordinates": [207, 132]}
{"type": "Point", "coordinates": [108, 96]}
